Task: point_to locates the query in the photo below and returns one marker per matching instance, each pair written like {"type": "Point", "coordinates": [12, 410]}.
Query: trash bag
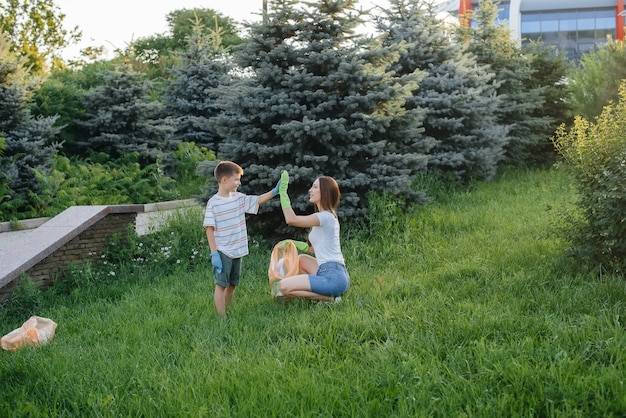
{"type": "Point", "coordinates": [283, 263]}
{"type": "Point", "coordinates": [36, 331]}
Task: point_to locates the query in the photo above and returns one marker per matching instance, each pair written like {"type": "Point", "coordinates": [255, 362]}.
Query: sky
{"type": "Point", "coordinates": [115, 23]}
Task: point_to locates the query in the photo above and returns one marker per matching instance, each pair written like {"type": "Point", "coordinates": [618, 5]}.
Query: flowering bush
{"type": "Point", "coordinates": [182, 243]}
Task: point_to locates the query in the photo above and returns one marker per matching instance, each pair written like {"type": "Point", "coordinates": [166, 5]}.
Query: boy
{"type": "Point", "coordinates": [225, 225]}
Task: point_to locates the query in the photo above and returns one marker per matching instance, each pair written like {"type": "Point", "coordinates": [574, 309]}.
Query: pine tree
{"type": "Point", "coordinates": [522, 100]}
{"type": "Point", "coordinates": [550, 70]}
{"type": "Point", "coordinates": [120, 118]}
{"type": "Point", "coordinates": [198, 81]}
{"type": "Point", "coordinates": [320, 102]}
{"type": "Point", "coordinates": [458, 94]}
{"type": "Point", "coordinates": [29, 142]}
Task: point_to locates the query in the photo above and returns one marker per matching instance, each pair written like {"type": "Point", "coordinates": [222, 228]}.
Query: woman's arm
{"type": "Point", "coordinates": [291, 218]}
{"type": "Point", "coordinates": [301, 221]}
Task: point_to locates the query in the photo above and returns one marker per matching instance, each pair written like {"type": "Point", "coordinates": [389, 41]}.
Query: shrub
{"type": "Point", "coordinates": [596, 153]}
{"type": "Point", "coordinates": [180, 244]}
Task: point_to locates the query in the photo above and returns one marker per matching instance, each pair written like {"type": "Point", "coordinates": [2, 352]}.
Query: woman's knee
{"type": "Point", "coordinates": [295, 283]}
{"type": "Point", "coordinates": [308, 264]}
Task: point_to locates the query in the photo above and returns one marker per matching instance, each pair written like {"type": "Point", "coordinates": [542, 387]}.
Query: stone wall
{"type": "Point", "coordinates": [46, 246]}
{"type": "Point", "coordinates": [87, 245]}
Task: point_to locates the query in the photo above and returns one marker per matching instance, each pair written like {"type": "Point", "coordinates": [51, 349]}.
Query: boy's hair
{"type": "Point", "coordinates": [226, 169]}
{"type": "Point", "coordinates": [329, 193]}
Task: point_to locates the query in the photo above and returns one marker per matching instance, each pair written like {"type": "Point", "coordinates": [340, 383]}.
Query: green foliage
{"type": "Point", "coordinates": [596, 154]}
{"type": "Point", "coordinates": [29, 141]}
{"type": "Point", "coordinates": [120, 117]}
{"type": "Point", "coordinates": [181, 245]}
{"type": "Point", "coordinates": [523, 96]}
{"type": "Point", "coordinates": [186, 159]}
{"type": "Point", "coordinates": [182, 24]}
{"type": "Point", "coordinates": [591, 88]}
{"type": "Point", "coordinates": [26, 299]}
{"type": "Point", "coordinates": [72, 182]}
{"type": "Point", "coordinates": [5, 193]}
{"type": "Point", "coordinates": [197, 82]}
{"type": "Point", "coordinates": [61, 95]}
{"type": "Point", "coordinates": [36, 30]}
{"type": "Point", "coordinates": [320, 100]}
{"type": "Point", "coordinates": [549, 69]}
{"type": "Point", "coordinates": [459, 95]}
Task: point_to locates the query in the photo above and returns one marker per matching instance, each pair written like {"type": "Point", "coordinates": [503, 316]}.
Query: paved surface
{"type": "Point", "coordinates": [7, 237]}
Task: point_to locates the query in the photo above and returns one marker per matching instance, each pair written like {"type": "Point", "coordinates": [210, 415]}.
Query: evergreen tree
{"type": "Point", "coordinates": [320, 102]}
{"type": "Point", "coordinates": [183, 24]}
{"type": "Point", "coordinates": [521, 99]}
{"type": "Point", "coordinates": [28, 141]}
{"type": "Point", "coordinates": [596, 81]}
{"type": "Point", "coordinates": [550, 70]}
{"type": "Point", "coordinates": [120, 118]}
{"type": "Point", "coordinates": [459, 95]}
{"type": "Point", "coordinates": [197, 83]}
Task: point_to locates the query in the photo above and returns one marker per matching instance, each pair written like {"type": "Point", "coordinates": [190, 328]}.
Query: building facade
{"type": "Point", "coordinates": [573, 26]}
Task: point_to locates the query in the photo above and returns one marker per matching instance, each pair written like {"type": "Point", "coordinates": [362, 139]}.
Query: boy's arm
{"type": "Point", "coordinates": [210, 235]}
{"type": "Point", "coordinates": [269, 195]}
{"type": "Point", "coordinates": [265, 197]}
{"type": "Point", "coordinates": [216, 260]}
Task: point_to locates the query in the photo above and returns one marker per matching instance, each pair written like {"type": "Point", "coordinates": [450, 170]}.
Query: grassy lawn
{"type": "Point", "coordinates": [465, 307]}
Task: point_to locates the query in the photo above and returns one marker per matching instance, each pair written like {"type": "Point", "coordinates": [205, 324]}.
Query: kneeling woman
{"type": "Point", "coordinates": [324, 276]}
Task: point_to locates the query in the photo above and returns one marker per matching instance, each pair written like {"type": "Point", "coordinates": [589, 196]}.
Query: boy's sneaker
{"type": "Point", "coordinates": [337, 299]}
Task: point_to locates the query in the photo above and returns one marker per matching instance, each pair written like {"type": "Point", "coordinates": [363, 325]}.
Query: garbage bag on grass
{"type": "Point", "coordinates": [283, 263]}
{"type": "Point", "coordinates": [36, 331]}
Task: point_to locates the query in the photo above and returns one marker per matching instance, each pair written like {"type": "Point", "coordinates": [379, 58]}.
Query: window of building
{"type": "Point", "coordinates": [573, 31]}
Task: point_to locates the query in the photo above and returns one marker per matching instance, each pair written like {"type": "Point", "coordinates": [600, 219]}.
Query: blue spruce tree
{"type": "Point", "coordinates": [523, 99]}
{"type": "Point", "coordinates": [121, 118]}
{"type": "Point", "coordinates": [458, 94]}
{"type": "Point", "coordinates": [320, 101]}
{"type": "Point", "coordinates": [29, 142]}
{"type": "Point", "coordinates": [201, 77]}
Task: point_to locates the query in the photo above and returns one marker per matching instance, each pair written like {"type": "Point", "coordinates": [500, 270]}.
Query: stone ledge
{"type": "Point", "coordinates": [172, 204]}
{"type": "Point", "coordinates": [29, 249]}
{"type": "Point", "coordinates": [138, 208]}
{"type": "Point", "coordinates": [23, 224]}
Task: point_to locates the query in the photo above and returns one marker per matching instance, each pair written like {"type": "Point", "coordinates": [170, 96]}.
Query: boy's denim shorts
{"type": "Point", "coordinates": [231, 271]}
{"type": "Point", "coordinates": [331, 279]}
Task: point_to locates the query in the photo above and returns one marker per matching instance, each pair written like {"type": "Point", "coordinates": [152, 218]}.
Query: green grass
{"type": "Point", "coordinates": [466, 307]}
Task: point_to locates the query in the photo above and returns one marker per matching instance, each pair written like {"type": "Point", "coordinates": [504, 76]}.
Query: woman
{"type": "Point", "coordinates": [324, 276]}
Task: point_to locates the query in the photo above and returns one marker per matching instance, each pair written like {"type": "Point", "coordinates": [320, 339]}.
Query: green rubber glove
{"type": "Point", "coordinates": [300, 245]}
{"type": "Point", "coordinates": [285, 202]}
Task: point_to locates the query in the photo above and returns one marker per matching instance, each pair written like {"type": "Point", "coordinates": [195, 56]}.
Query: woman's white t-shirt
{"type": "Point", "coordinates": [325, 239]}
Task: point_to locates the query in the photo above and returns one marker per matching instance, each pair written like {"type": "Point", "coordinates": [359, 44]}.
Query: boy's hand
{"type": "Point", "coordinates": [285, 203]}
{"type": "Point", "coordinates": [276, 188]}
{"type": "Point", "coordinates": [216, 261]}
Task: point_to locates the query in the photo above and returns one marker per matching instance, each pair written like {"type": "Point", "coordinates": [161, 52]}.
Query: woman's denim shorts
{"type": "Point", "coordinates": [331, 279]}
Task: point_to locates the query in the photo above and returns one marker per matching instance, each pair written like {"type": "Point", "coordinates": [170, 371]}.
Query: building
{"type": "Point", "coordinates": [574, 26]}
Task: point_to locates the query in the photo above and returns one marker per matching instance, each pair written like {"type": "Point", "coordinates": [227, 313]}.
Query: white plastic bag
{"type": "Point", "coordinates": [36, 331]}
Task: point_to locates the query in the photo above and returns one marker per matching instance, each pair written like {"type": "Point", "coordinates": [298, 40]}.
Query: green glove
{"type": "Point", "coordinates": [300, 245]}
{"type": "Point", "coordinates": [285, 203]}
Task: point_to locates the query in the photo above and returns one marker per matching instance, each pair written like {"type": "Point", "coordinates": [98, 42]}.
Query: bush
{"type": "Point", "coordinates": [596, 153]}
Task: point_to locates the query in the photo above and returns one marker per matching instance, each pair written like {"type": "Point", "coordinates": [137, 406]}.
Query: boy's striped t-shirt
{"type": "Point", "coordinates": [228, 216]}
